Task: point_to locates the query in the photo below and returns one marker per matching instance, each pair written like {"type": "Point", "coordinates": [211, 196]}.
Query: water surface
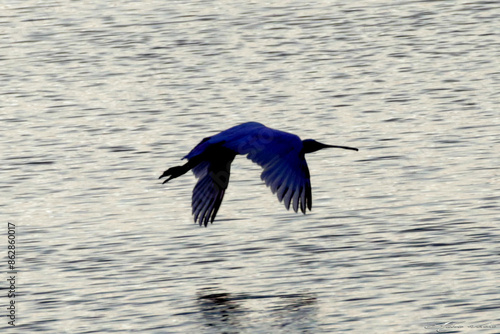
{"type": "Point", "coordinates": [99, 98]}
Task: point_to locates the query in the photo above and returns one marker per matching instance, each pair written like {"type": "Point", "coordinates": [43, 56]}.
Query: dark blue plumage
{"type": "Point", "coordinates": [279, 153]}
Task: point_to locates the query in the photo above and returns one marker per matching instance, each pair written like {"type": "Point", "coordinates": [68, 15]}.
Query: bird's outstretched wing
{"type": "Point", "coordinates": [279, 153]}
{"type": "Point", "coordinates": [287, 175]}
{"type": "Point", "coordinates": [289, 178]}
{"type": "Point", "coordinates": [285, 169]}
{"type": "Point", "coordinates": [213, 178]}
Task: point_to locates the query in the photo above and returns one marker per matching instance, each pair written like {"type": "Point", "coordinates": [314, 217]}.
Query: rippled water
{"type": "Point", "coordinates": [98, 98]}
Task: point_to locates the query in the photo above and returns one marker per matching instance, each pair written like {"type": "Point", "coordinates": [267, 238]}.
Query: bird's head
{"type": "Point", "coordinates": [311, 145]}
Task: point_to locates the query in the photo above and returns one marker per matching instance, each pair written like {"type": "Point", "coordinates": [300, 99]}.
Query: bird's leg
{"type": "Point", "coordinates": [180, 170]}
{"type": "Point", "coordinates": [175, 172]}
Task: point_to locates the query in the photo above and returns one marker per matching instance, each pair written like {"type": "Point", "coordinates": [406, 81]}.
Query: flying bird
{"type": "Point", "coordinates": [280, 154]}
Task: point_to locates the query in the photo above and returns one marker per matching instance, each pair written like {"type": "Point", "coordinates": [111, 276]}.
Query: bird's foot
{"type": "Point", "coordinates": [173, 173]}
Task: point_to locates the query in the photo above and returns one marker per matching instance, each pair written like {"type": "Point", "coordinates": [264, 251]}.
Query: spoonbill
{"type": "Point", "coordinates": [279, 153]}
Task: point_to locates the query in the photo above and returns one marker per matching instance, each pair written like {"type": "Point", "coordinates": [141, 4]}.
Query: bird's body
{"type": "Point", "coordinates": [279, 153]}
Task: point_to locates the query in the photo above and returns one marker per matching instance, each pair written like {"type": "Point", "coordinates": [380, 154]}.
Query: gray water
{"type": "Point", "coordinates": [98, 98]}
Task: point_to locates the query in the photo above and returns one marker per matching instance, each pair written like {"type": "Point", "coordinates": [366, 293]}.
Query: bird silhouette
{"type": "Point", "coordinates": [279, 153]}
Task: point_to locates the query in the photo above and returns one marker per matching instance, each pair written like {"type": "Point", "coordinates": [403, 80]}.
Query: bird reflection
{"type": "Point", "coordinates": [220, 309]}
{"type": "Point", "coordinates": [296, 313]}
{"type": "Point", "coordinates": [225, 312]}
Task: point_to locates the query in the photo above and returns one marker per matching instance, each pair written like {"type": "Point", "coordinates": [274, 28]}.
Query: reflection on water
{"type": "Point", "coordinates": [220, 310]}
{"type": "Point", "coordinates": [226, 312]}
